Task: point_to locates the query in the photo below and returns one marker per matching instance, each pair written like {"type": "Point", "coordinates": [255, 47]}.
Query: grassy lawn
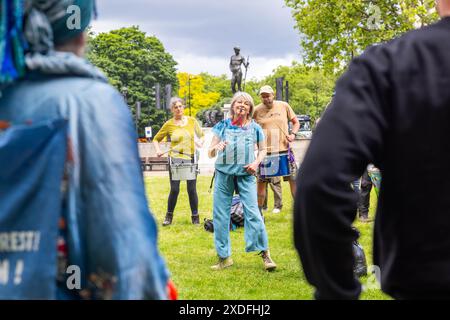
{"type": "Point", "coordinates": [189, 251]}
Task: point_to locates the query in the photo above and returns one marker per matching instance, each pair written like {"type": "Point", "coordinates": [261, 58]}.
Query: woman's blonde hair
{"type": "Point", "coordinates": [242, 95]}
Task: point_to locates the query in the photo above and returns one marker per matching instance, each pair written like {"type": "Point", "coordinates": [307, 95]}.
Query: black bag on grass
{"type": "Point", "coordinates": [208, 225]}
{"type": "Point", "coordinates": [360, 267]}
{"type": "Point", "coordinates": [237, 216]}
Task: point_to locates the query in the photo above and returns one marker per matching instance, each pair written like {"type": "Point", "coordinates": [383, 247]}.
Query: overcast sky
{"type": "Point", "coordinates": [201, 34]}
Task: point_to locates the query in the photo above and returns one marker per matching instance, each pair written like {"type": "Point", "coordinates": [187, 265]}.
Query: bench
{"type": "Point", "coordinates": [155, 164]}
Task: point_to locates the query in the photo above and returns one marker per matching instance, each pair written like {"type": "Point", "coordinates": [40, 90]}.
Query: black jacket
{"type": "Point", "coordinates": [392, 109]}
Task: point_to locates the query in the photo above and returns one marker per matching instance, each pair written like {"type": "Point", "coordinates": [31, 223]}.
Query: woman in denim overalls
{"type": "Point", "coordinates": [234, 144]}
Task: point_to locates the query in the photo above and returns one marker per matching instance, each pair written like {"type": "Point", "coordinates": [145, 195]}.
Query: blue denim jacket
{"type": "Point", "coordinates": [110, 230]}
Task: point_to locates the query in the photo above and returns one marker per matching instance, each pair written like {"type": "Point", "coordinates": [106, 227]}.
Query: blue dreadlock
{"type": "Point", "coordinates": [12, 44]}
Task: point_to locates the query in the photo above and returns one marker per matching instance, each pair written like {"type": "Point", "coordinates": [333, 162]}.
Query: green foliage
{"type": "Point", "coordinates": [335, 31]}
{"type": "Point", "coordinates": [211, 92]}
{"type": "Point", "coordinates": [252, 88]}
{"type": "Point", "coordinates": [135, 61]}
{"type": "Point", "coordinates": [154, 117]}
{"type": "Point", "coordinates": [221, 102]}
{"type": "Point", "coordinates": [310, 89]}
{"type": "Point", "coordinates": [219, 84]}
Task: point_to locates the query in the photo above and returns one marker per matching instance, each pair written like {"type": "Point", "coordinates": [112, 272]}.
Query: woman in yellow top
{"type": "Point", "coordinates": [180, 131]}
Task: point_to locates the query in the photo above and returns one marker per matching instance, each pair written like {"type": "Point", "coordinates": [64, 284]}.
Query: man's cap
{"type": "Point", "coordinates": [266, 89]}
{"type": "Point", "coordinates": [237, 48]}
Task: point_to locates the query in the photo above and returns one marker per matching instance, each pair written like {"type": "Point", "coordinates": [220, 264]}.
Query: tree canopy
{"type": "Point", "coordinates": [310, 88]}
{"type": "Point", "coordinates": [135, 61]}
{"type": "Point", "coordinates": [196, 93]}
{"type": "Point", "coordinates": [335, 31]}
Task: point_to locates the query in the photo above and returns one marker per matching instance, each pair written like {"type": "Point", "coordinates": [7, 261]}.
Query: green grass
{"type": "Point", "coordinates": [189, 251]}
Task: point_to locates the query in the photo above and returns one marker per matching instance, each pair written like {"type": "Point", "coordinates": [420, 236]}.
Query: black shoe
{"type": "Point", "coordinates": [195, 219]}
{"type": "Point", "coordinates": [168, 219]}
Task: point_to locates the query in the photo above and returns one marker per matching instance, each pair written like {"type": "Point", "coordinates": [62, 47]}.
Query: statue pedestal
{"type": "Point", "coordinates": [205, 164]}
{"type": "Point", "coordinates": [226, 111]}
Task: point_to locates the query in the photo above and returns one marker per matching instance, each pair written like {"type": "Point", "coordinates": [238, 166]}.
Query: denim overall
{"type": "Point", "coordinates": [230, 169]}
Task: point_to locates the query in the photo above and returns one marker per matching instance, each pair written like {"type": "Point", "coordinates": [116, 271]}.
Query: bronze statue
{"type": "Point", "coordinates": [235, 67]}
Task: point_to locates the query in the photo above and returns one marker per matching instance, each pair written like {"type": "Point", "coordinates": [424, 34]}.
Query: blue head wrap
{"type": "Point", "coordinates": [67, 18]}
{"type": "Point", "coordinates": [35, 26]}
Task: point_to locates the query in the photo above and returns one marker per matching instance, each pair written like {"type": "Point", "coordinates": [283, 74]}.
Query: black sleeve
{"type": "Point", "coordinates": [348, 137]}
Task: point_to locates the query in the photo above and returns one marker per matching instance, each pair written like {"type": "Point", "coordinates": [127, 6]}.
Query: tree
{"type": "Point", "coordinates": [310, 88]}
{"type": "Point", "coordinates": [193, 90]}
{"type": "Point", "coordinates": [219, 84]}
{"type": "Point", "coordinates": [335, 31]}
{"type": "Point", "coordinates": [135, 61]}
{"type": "Point", "coordinates": [252, 88]}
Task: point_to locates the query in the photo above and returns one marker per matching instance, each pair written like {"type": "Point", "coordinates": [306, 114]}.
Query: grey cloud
{"type": "Point", "coordinates": [210, 27]}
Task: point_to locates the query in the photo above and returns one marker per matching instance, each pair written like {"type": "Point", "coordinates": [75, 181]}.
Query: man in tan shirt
{"type": "Point", "coordinates": [273, 116]}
